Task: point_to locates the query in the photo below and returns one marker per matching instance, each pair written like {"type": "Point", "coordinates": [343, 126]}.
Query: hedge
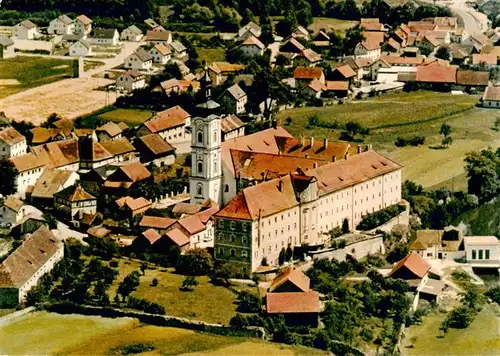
{"type": "Point", "coordinates": [380, 217]}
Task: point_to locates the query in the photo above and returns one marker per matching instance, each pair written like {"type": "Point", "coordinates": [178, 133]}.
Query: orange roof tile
{"type": "Point", "coordinates": [396, 60]}
{"type": "Point", "coordinates": [74, 193]}
{"type": "Point", "coordinates": [316, 85]}
{"type": "Point", "coordinates": [135, 171]}
{"type": "Point", "coordinates": [178, 237]}
{"type": "Point", "coordinates": [470, 77]}
{"type": "Point", "coordinates": [314, 148]}
{"type": "Point", "coordinates": [416, 264]}
{"type": "Point", "coordinates": [225, 67]}
{"type": "Point", "coordinates": [336, 85]}
{"type": "Point", "coordinates": [283, 303]}
{"type": "Point", "coordinates": [308, 73]}
{"type": "Point", "coordinates": [192, 224]}
{"type": "Point", "coordinates": [374, 36]}
{"type": "Point", "coordinates": [436, 74]}
{"type": "Point", "coordinates": [156, 222]}
{"type": "Point", "coordinates": [27, 162]}
{"type": "Point", "coordinates": [156, 144]}
{"type": "Point", "coordinates": [167, 119]}
{"type": "Point", "coordinates": [151, 235]}
{"type": "Point", "coordinates": [293, 275]}
{"type": "Point", "coordinates": [346, 71]}
{"type": "Point", "coordinates": [492, 94]}
{"type": "Point", "coordinates": [10, 136]}
{"type": "Point", "coordinates": [253, 41]}
{"type": "Point", "coordinates": [490, 59]}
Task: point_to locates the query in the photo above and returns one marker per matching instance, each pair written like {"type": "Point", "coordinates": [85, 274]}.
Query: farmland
{"type": "Point", "coordinates": [333, 25]}
{"type": "Point", "coordinates": [46, 333]}
{"type": "Point", "coordinates": [210, 55]}
{"type": "Point", "coordinates": [131, 117]}
{"type": "Point", "coordinates": [21, 73]}
{"type": "Point", "coordinates": [407, 115]}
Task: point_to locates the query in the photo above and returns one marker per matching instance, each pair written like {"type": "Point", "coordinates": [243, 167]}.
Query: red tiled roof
{"type": "Point", "coordinates": [284, 303]}
{"type": "Point", "coordinates": [470, 77]}
{"type": "Point", "coordinates": [178, 237]}
{"type": "Point", "coordinates": [316, 85]}
{"type": "Point", "coordinates": [253, 41]}
{"type": "Point", "coordinates": [74, 193]}
{"type": "Point", "coordinates": [314, 148]}
{"type": "Point", "coordinates": [156, 222]}
{"type": "Point", "coordinates": [192, 224]}
{"type": "Point", "coordinates": [346, 71]}
{"type": "Point", "coordinates": [374, 36]}
{"type": "Point", "coordinates": [436, 74]}
{"type": "Point", "coordinates": [416, 264]}
{"type": "Point", "coordinates": [490, 59]}
{"type": "Point", "coordinates": [308, 73]}
{"type": "Point", "coordinates": [156, 144]}
{"type": "Point", "coordinates": [492, 94]}
{"type": "Point", "coordinates": [135, 171]}
{"type": "Point", "coordinates": [10, 136]}
{"type": "Point", "coordinates": [151, 235]}
{"type": "Point", "coordinates": [293, 275]}
{"type": "Point", "coordinates": [396, 60]}
{"type": "Point", "coordinates": [167, 119]}
{"type": "Point", "coordinates": [336, 85]}
{"type": "Point", "coordinates": [186, 208]}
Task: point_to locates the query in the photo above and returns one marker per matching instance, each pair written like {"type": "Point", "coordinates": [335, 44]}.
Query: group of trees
{"type": "Point", "coordinates": [350, 131]}
{"type": "Point", "coordinates": [483, 171]}
{"type": "Point", "coordinates": [463, 315]}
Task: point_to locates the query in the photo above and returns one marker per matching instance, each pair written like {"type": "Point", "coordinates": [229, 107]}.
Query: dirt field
{"type": "Point", "coordinates": [69, 98]}
{"type": "Point", "coordinates": [336, 25]}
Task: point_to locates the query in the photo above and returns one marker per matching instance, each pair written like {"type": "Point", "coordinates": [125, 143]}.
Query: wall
{"type": "Point", "coordinates": [367, 247]}
{"type": "Point", "coordinates": [339, 254]}
{"type": "Point", "coordinates": [401, 219]}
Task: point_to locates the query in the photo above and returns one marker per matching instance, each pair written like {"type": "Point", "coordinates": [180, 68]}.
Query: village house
{"type": "Point", "coordinates": [131, 80]}
{"type": "Point", "coordinates": [300, 32]}
{"type": "Point", "coordinates": [197, 228]}
{"type": "Point", "coordinates": [12, 143]}
{"type": "Point", "coordinates": [6, 47]}
{"type": "Point", "coordinates": [315, 88]}
{"type": "Point", "coordinates": [160, 53]}
{"type": "Point", "coordinates": [252, 46]}
{"type": "Point", "coordinates": [36, 256]}
{"type": "Point", "coordinates": [41, 135]}
{"type": "Point", "coordinates": [482, 250]}
{"type": "Point", "coordinates": [159, 37]}
{"type": "Point", "coordinates": [131, 34]}
{"type": "Point", "coordinates": [292, 46]}
{"type": "Point", "coordinates": [488, 60]}
{"type": "Point", "coordinates": [179, 51]}
{"type": "Point", "coordinates": [478, 41]}
{"type": "Point", "coordinates": [176, 86]}
{"type": "Point", "coordinates": [343, 73]}
{"type": "Point", "coordinates": [121, 180]}
{"type": "Point", "coordinates": [154, 149]}
{"type": "Point", "coordinates": [50, 182]}
{"type": "Point", "coordinates": [155, 222]}
{"type": "Point", "coordinates": [81, 48]}
{"type": "Point", "coordinates": [11, 210]}
{"type": "Point", "coordinates": [140, 59]}
{"type": "Point", "coordinates": [220, 71]}
{"type": "Point", "coordinates": [170, 124]}
{"type": "Point", "coordinates": [371, 24]}
{"type": "Point", "coordinates": [250, 29]}
{"type": "Point", "coordinates": [472, 80]}
{"type": "Point", "coordinates": [232, 127]}
{"type": "Point", "coordinates": [120, 149]}
{"type": "Point", "coordinates": [73, 202]}
{"type": "Point", "coordinates": [337, 89]}
{"type": "Point", "coordinates": [25, 30]}
{"type": "Point", "coordinates": [61, 25]}
{"type": "Point", "coordinates": [368, 49]}
{"type": "Point", "coordinates": [104, 37]}
{"type": "Point", "coordinates": [83, 25]}
{"type": "Point", "coordinates": [308, 58]}
{"type": "Point", "coordinates": [304, 75]}
{"type": "Point", "coordinates": [235, 98]}
{"type": "Point", "coordinates": [290, 295]}
{"type": "Point", "coordinates": [133, 207]}
{"type": "Point", "coordinates": [438, 244]}
{"type": "Point", "coordinates": [491, 97]}
{"type": "Point", "coordinates": [110, 131]}
{"type": "Point", "coordinates": [413, 269]}
{"type": "Point", "coordinates": [30, 168]}
{"type": "Point", "coordinates": [321, 39]}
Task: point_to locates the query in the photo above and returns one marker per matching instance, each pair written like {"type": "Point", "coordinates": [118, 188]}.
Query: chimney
{"type": "Point", "coordinates": [325, 143]}
{"type": "Point", "coordinates": [302, 140]}
{"type": "Point", "coordinates": [280, 185]}
{"type": "Point", "coordinates": [312, 141]}
{"type": "Point", "coordinates": [346, 155]}
{"type": "Point", "coordinates": [359, 148]}
{"type": "Point", "coordinates": [334, 158]}
{"type": "Point", "coordinates": [315, 164]}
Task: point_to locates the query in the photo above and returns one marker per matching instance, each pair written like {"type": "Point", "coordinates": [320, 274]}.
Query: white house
{"type": "Point", "coordinates": [368, 49]}
{"type": "Point", "coordinates": [160, 53]}
{"type": "Point", "coordinates": [157, 37]}
{"type": "Point", "coordinates": [83, 25]}
{"type": "Point", "coordinates": [62, 25]}
{"type": "Point", "coordinates": [252, 46]}
{"type": "Point", "coordinates": [491, 97]}
{"type": "Point", "coordinates": [30, 168]}
{"type": "Point", "coordinates": [11, 210]}
{"type": "Point", "coordinates": [131, 80]}
{"type": "Point", "coordinates": [25, 30]}
{"type": "Point", "coordinates": [36, 256]}
{"type": "Point", "coordinates": [75, 201]}
{"type": "Point", "coordinates": [6, 47]}
{"type": "Point", "coordinates": [81, 48]}
{"type": "Point", "coordinates": [12, 143]}
{"type": "Point", "coordinates": [250, 29]}
{"type": "Point", "coordinates": [482, 250]}
{"type": "Point", "coordinates": [105, 37]}
{"type": "Point", "coordinates": [140, 59]}
{"type": "Point", "coordinates": [172, 125]}
{"type": "Point", "coordinates": [132, 34]}
{"type": "Point", "coordinates": [179, 51]}
{"type": "Point", "coordinates": [236, 98]}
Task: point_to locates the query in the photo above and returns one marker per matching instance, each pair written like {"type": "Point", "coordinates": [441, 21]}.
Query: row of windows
{"type": "Point", "coordinates": [232, 252]}
{"type": "Point", "coordinates": [478, 254]}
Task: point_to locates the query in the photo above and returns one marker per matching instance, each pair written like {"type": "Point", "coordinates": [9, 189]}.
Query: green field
{"type": "Point", "coordinates": [482, 337]}
{"type": "Point", "coordinates": [407, 115]}
{"type": "Point", "coordinates": [44, 333]}
{"type": "Point", "coordinates": [21, 73]}
{"type": "Point", "coordinates": [484, 220]}
{"type": "Point", "coordinates": [207, 302]}
{"type": "Point", "coordinates": [210, 55]}
{"type": "Point", "coordinates": [131, 117]}
{"type": "Point", "coordinates": [335, 25]}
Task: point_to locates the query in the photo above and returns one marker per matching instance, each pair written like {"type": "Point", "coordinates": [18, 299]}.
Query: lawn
{"type": "Point", "coordinates": [210, 55]}
{"type": "Point", "coordinates": [46, 333]}
{"type": "Point", "coordinates": [207, 302]}
{"type": "Point", "coordinates": [405, 115]}
{"type": "Point", "coordinates": [21, 73]}
{"type": "Point", "coordinates": [335, 25]}
{"type": "Point", "coordinates": [88, 65]}
{"type": "Point", "coordinates": [480, 338]}
{"type": "Point", "coordinates": [131, 117]}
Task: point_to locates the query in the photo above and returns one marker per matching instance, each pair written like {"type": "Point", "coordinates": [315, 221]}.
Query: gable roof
{"type": "Point", "coordinates": [135, 171]}
{"type": "Point", "coordinates": [413, 262]}
{"type": "Point", "coordinates": [316, 86]}
{"type": "Point", "coordinates": [151, 235]}
{"type": "Point", "coordinates": [481, 240]}
{"type": "Point", "coordinates": [490, 59]}
{"type": "Point", "coordinates": [5, 41]}
{"type": "Point", "coordinates": [336, 85]}
{"type": "Point", "coordinates": [178, 237]}
{"type": "Point", "coordinates": [293, 42]}
{"type": "Point", "coordinates": [370, 24]}
{"type": "Point", "coordinates": [143, 55]}
{"type": "Point", "coordinates": [225, 67]}
{"type": "Point", "coordinates": [177, 46]}
{"type": "Point", "coordinates": [307, 72]}
{"type": "Point", "coordinates": [186, 208]}
{"type": "Point", "coordinates": [84, 19]}
{"type": "Point", "coordinates": [311, 56]}
{"type": "Point", "coordinates": [293, 275]}
{"type": "Point", "coordinates": [230, 123]}
{"type": "Point", "coordinates": [370, 45]}
{"type": "Point", "coordinates": [27, 24]}
{"type": "Point", "coordinates": [492, 94]}
{"type": "Point", "coordinates": [13, 203]}
{"type": "Point", "coordinates": [50, 182]}
{"type": "Point", "coordinates": [283, 303]}
{"type": "Point", "coordinates": [65, 19]}
{"type": "Point", "coordinates": [480, 38]}
{"type": "Point", "coordinates": [426, 238]}
{"type": "Point", "coordinates": [167, 119]}
{"type": "Point", "coordinates": [133, 204]}
{"type": "Point", "coordinates": [11, 136]}
{"type": "Point", "coordinates": [28, 258]}
{"type": "Point", "coordinates": [111, 128]}
{"type": "Point", "coordinates": [374, 36]}
{"type": "Point", "coordinates": [135, 75]}
{"type": "Point", "coordinates": [156, 222]}
{"type": "Point", "coordinates": [162, 49]}
{"type": "Point", "coordinates": [346, 71]}
{"type": "Point", "coordinates": [192, 224]}
{"type": "Point", "coordinates": [397, 60]}
{"type": "Point", "coordinates": [470, 77]}
{"type": "Point", "coordinates": [27, 162]}
{"type": "Point", "coordinates": [253, 41]}
{"type": "Point", "coordinates": [117, 147]}
{"type": "Point", "coordinates": [74, 193]}
{"type": "Point", "coordinates": [61, 153]}
{"type": "Point", "coordinates": [156, 145]}
{"type": "Point", "coordinates": [134, 29]}
{"type": "Point", "coordinates": [436, 74]}
{"type": "Point", "coordinates": [236, 92]}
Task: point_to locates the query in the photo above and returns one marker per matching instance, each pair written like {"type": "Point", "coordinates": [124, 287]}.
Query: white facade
{"type": "Point", "coordinates": [27, 178]}
{"type": "Point", "coordinates": [24, 33]}
{"type": "Point", "coordinates": [129, 83]}
{"type": "Point", "coordinates": [204, 238]}
{"type": "Point", "coordinates": [130, 35]}
{"type": "Point", "coordinates": [206, 162]}
{"type": "Point", "coordinates": [111, 41]}
{"type": "Point", "coordinates": [158, 57]}
{"type": "Point", "coordinates": [79, 49]}
{"type": "Point", "coordinates": [82, 28]}
{"type": "Point", "coordinates": [491, 104]}
{"type": "Point", "coordinates": [361, 52]}
{"type": "Point", "coordinates": [58, 27]}
{"type": "Point", "coordinates": [9, 151]}
{"type": "Point", "coordinates": [482, 250]}
{"type": "Point", "coordinates": [134, 62]}
{"type": "Point", "coordinates": [251, 50]}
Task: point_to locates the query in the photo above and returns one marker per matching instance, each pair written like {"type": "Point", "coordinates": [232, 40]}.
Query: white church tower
{"type": "Point", "coordinates": [205, 181]}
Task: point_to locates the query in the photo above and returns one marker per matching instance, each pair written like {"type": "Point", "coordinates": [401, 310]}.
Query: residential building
{"type": "Point", "coordinates": [343, 73]}
{"type": "Point", "coordinates": [368, 49]}
{"type": "Point", "coordinates": [83, 25]}
{"type": "Point", "coordinates": [304, 75]}
{"type": "Point", "coordinates": [477, 40]}
{"type": "Point", "coordinates": [131, 34]}
{"type": "Point", "coordinates": [36, 256]}
{"type": "Point", "coordinates": [12, 143]}
{"type": "Point", "coordinates": [154, 149]}
{"type": "Point", "coordinates": [176, 86]}
{"type": "Point", "coordinates": [468, 79]}
{"type": "Point", "coordinates": [155, 222]}
{"type": "Point", "coordinates": [338, 89]}
{"type": "Point", "coordinates": [82, 48]}
{"type": "Point", "coordinates": [152, 24]}
{"type": "Point", "coordinates": [159, 37]}
{"type": "Point", "coordinates": [179, 51]}
{"type": "Point", "coordinates": [438, 244]}
{"type": "Point", "coordinates": [104, 37]}
{"type": "Point", "coordinates": [482, 250]}
{"type": "Point", "coordinates": [321, 39]}
{"type": "Point", "coordinates": [160, 53]}
{"type": "Point", "coordinates": [110, 131]}
{"type": "Point", "coordinates": [131, 80]}
{"type": "Point", "coordinates": [300, 32]}
{"type": "Point", "coordinates": [413, 269]}
{"type": "Point", "coordinates": [51, 182]}
{"type": "Point", "coordinates": [170, 124]}
{"type": "Point", "coordinates": [125, 177]}
{"type": "Point", "coordinates": [371, 24]}
{"type": "Point", "coordinates": [41, 135]}
{"type": "Point", "coordinates": [315, 88]}
{"type": "Point", "coordinates": [252, 46]}
{"type": "Point", "coordinates": [491, 97]}
{"type": "Point", "coordinates": [251, 29]}
{"type": "Point", "coordinates": [489, 60]}
{"type": "Point", "coordinates": [309, 58]}
{"type": "Point", "coordinates": [133, 207]}
{"type": "Point", "coordinates": [6, 47]}
{"type": "Point", "coordinates": [235, 99]}
{"type": "Point", "coordinates": [25, 30]}
{"type": "Point", "coordinates": [232, 127]}
{"type": "Point", "coordinates": [220, 71]}
{"type": "Point", "coordinates": [61, 25]}
{"type": "Point", "coordinates": [292, 46]}
{"type": "Point", "coordinates": [140, 59]}
{"type": "Point", "coordinates": [120, 149]}
{"type": "Point", "coordinates": [30, 168]}
{"type": "Point", "coordinates": [11, 210]}
{"type": "Point", "coordinates": [73, 202]}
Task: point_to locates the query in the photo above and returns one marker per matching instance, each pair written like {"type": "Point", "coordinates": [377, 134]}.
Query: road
{"type": "Point", "coordinates": [474, 22]}
{"type": "Point", "coordinates": [69, 98]}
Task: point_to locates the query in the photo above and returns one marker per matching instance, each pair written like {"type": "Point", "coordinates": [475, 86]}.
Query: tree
{"type": "Point", "coordinates": [282, 257]}
{"type": "Point", "coordinates": [483, 171]}
{"type": "Point", "coordinates": [289, 253]}
{"type": "Point", "coordinates": [353, 36]}
{"type": "Point", "coordinates": [195, 262]}
{"type": "Point", "coordinates": [49, 123]}
{"type": "Point", "coordinates": [445, 130]}
{"type": "Point", "coordinates": [154, 282]}
{"type": "Point", "coordinates": [496, 126]}
{"type": "Point", "coordinates": [345, 226]}
{"type": "Point", "coordinates": [247, 17]}
{"type": "Point", "coordinates": [249, 303]}
{"type": "Point", "coordinates": [128, 285]}
{"type": "Point", "coordinates": [189, 283]}
{"type": "Point", "coordinates": [447, 141]}
{"type": "Point", "coordinates": [144, 267]}
{"type": "Point", "coordinates": [443, 53]}
{"type": "Point", "coordinates": [9, 176]}
{"type": "Point", "coordinates": [425, 48]}
{"type": "Point", "coordinates": [51, 221]}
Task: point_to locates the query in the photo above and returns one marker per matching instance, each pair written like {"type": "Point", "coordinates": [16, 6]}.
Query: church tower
{"type": "Point", "coordinates": [205, 181]}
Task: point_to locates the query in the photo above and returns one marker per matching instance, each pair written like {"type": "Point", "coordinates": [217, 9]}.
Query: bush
{"type": "Point", "coordinates": [413, 141]}
{"type": "Point", "coordinates": [249, 303]}
{"type": "Point", "coordinates": [188, 284]}
{"type": "Point", "coordinates": [145, 305]}
{"type": "Point", "coordinates": [494, 294]}
{"type": "Point", "coordinates": [380, 217]}
{"type": "Point", "coordinates": [154, 282]}
{"type": "Point", "coordinates": [113, 264]}
{"type": "Point", "coordinates": [196, 262]}
{"type": "Point", "coordinates": [132, 349]}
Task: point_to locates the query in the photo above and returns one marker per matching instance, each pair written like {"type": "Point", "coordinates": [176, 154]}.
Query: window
{"type": "Point", "coordinates": [200, 137]}
{"type": "Point", "coordinates": [199, 189]}
{"type": "Point", "coordinates": [244, 254]}
{"type": "Point", "coordinates": [232, 253]}
{"type": "Point", "coordinates": [200, 167]}
{"type": "Point", "coordinates": [215, 136]}
{"type": "Point", "coordinates": [226, 188]}
{"type": "Point", "coordinates": [215, 167]}
{"type": "Point", "coordinates": [221, 251]}
{"type": "Point", "coordinates": [244, 240]}
{"type": "Point", "coordinates": [473, 254]}
{"type": "Point", "coordinates": [480, 254]}
{"type": "Point", "coordinates": [232, 225]}
{"type": "Point", "coordinates": [486, 254]}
